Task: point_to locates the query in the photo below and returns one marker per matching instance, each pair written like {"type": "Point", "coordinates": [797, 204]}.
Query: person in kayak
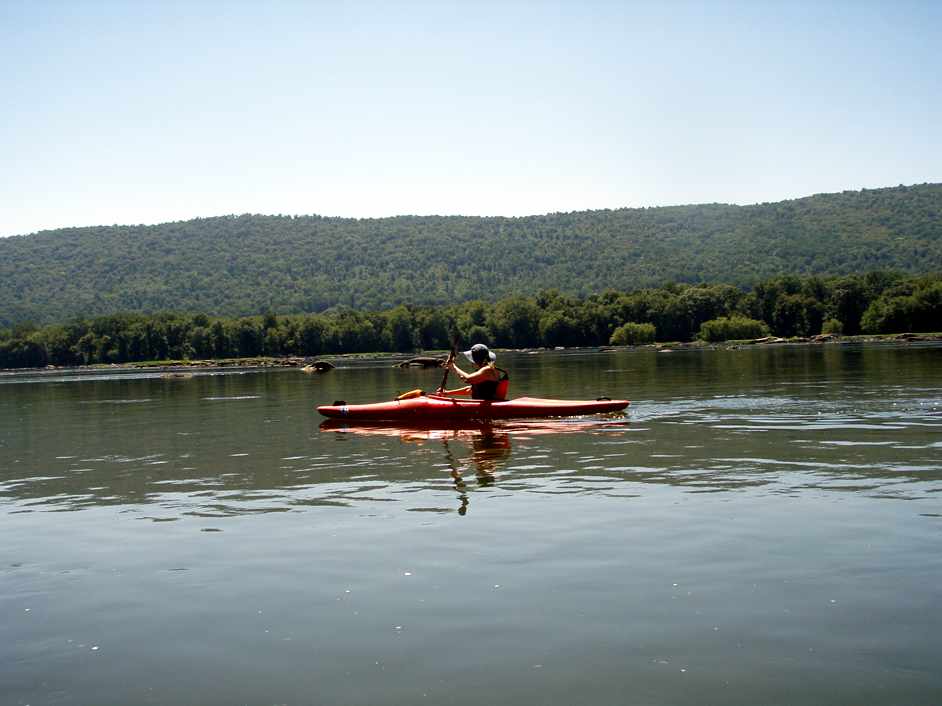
{"type": "Point", "coordinates": [488, 382]}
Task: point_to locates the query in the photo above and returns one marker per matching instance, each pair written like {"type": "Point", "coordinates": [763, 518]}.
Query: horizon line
{"type": "Point", "coordinates": [463, 215]}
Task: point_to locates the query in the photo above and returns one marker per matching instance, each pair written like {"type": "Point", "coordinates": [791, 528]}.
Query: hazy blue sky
{"type": "Point", "coordinates": [143, 112]}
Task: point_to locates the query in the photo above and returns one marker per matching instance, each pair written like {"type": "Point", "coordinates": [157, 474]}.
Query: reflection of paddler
{"type": "Point", "coordinates": [489, 451]}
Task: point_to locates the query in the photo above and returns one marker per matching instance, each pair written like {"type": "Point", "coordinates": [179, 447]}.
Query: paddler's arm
{"type": "Point", "coordinates": [457, 392]}
{"type": "Point", "coordinates": [484, 374]}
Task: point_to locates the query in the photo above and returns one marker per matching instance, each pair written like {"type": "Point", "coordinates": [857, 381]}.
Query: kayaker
{"type": "Point", "coordinates": [485, 382]}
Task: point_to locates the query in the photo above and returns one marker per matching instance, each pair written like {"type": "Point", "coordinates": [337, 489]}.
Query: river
{"type": "Point", "coordinates": [764, 526]}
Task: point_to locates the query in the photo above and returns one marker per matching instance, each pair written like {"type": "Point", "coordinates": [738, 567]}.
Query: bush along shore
{"type": "Point", "coordinates": [788, 308]}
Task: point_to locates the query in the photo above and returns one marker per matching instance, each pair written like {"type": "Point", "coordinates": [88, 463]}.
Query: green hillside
{"type": "Point", "coordinates": [240, 265]}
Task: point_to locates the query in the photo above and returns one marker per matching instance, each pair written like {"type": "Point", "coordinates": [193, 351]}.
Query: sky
{"type": "Point", "coordinates": [147, 112]}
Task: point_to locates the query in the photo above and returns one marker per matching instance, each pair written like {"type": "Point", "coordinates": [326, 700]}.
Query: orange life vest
{"type": "Point", "coordinates": [492, 389]}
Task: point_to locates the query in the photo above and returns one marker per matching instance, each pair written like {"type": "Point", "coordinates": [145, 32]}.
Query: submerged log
{"type": "Point", "coordinates": [320, 366]}
{"type": "Point", "coordinates": [176, 376]}
{"type": "Point", "coordinates": [770, 339]}
{"type": "Point", "coordinates": [422, 362]}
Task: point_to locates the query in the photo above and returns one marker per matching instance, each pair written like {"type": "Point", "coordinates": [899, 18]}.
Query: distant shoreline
{"type": "Point", "coordinates": [395, 359]}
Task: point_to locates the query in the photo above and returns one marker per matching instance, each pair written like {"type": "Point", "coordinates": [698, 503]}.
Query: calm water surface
{"type": "Point", "coordinates": [763, 527]}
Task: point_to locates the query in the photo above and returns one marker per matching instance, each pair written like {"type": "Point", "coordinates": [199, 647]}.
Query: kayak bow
{"type": "Point", "coordinates": [428, 407]}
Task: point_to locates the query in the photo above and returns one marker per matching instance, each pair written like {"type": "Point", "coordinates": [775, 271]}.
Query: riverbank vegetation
{"type": "Point", "coordinates": [789, 306]}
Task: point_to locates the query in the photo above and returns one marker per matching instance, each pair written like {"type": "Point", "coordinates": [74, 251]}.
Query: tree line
{"type": "Point", "coordinates": [241, 265]}
{"type": "Point", "coordinates": [787, 306]}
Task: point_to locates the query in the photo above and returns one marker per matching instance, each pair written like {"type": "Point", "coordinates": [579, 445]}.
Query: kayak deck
{"type": "Point", "coordinates": [441, 407]}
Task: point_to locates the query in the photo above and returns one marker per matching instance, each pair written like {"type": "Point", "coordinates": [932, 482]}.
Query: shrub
{"type": "Point", "coordinates": [732, 328]}
{"type": "Point", "coordinates": [832, 326]}
{"type": "Point", "coordinates": [632, 334]}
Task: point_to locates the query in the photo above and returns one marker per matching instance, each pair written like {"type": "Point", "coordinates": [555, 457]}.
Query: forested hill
{"type": "Point", "coordinates": [236, 265]}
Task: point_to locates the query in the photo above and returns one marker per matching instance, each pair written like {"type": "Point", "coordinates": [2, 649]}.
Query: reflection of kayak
{"type": "Point", "coordinates": [436, 407]}
{"type": "Point", "coordinates": [428, 429]}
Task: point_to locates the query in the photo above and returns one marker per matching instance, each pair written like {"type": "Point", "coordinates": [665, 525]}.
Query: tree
{"type": "Point", "coordinates": [470, 316]}
{"type": "Point", "coordinates": [432, 328]}
{"type": "Point", "coordinates": [919, 311]}
{"type": "Point", "coordinates": [797, 315]}
{"type": "Point", "coordinates": [249, 338]}
{"type": "Point", "coordinates": [200, 342]}
{"type": "Point", "coordinates": [219, 340]}
{"type": "Point", "coordinates": [22, 353]}
{"type": "Point", "coordinates": [311, 336]}
{"type": "Point", "coordinates": [515, 322]}
{"type": "Point", "coordinates": [86, 346]}
{"type": "Point", "coordinates": [632, 334]}
{"type": "Point", "coordinates": [399, 330]}
{"type": "Point", "coordinates": [558, 329]}
{"type": "Point", "coordinates": [847, 303]}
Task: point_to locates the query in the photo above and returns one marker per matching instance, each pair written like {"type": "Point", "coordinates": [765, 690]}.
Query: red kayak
{"type": "Point", "coordinates": [431, 407]}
